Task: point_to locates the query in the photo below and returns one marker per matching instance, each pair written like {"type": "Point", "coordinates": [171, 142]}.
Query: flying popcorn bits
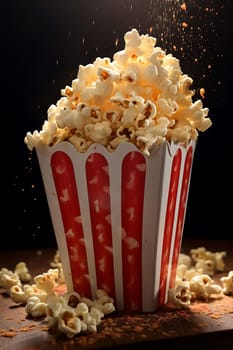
{"type": "Point", "coordinates": [140, 96]}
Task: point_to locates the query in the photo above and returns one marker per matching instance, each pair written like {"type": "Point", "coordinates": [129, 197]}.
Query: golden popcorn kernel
{"type": "Point", "coordinates": [69, 91]}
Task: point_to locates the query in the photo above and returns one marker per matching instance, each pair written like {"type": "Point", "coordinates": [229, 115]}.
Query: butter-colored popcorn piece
{"type": "Point", "coordinates": [22, 271]}
{"type": "Point", "coordinates": [47, 281]}
{"type": "Point", "coordinates": [55, 305]}
{"type": "Point", "coordinates": [81, 309]}
{"type": "Point", "coordinates": [227, 282]}
{"type": "Point", "coordinates": [8, 279]}
{"type": "Point", "coordinates": [90, 322]}
{"type": "Point", "coordinates": [17, 294]}
{"type": "Point", "coordinates": [180, 296]}
{"type": "Point", "coordinates": [68, 323]}
{"type": "Point", "coordinates": [108, 308]}
{"type": "Point", "coordinates": [35, 307]}
{"type": "Point", "coordinates": [97, 314]}
{"type": "Point", "coordinates": [32, 290]}
{"type": "Point", "coordinates": [217, 258]}
{"type": "Point", "coordinates": [202, 286]}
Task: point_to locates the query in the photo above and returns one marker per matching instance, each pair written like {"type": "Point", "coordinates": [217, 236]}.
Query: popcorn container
{"type": "Point", "coordinates": [118, 218]}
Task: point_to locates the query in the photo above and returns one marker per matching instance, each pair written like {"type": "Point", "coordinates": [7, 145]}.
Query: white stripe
{"type": "Point", "coordinates": [44, 157]}
{"type": "Point", "coordinates": [149, 231]}
{"type": "Point", "coordinates": [79, 162]}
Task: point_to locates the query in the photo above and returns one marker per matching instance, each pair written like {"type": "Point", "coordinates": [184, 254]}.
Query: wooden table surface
{"type": "Point", "coordinates": [205, 323]}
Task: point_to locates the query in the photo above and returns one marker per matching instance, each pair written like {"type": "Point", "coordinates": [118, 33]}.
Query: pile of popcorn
{"type": "Point", "coordinates": [72, 314]}
{"type": "Point", "coordinates": [193, 277]}
{"type": "Point", "coordinates": [141, 96]}
{"type": "Point", "coordinates": [69, 313]}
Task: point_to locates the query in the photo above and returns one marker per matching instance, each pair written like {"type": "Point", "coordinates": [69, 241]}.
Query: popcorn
{"type": "Point", "coordinates": [193, 279]}
{"type": "Point", "coordinates": [68, 323]}
{"type": "Point", "coordinates": [17, 294]}
{"type": "Point", "coordinates": [227, 282]}
{"type": "Point", "coordinates": [72, 314]}
{"type": "Point", "coordinates": [22, 271]}
{"type": "Point", "coordinates": [208, 260]}
{"type": "Point", "coordinates": [35, 307]}
{"type": "Point", "coordinates": [181, 296]}
{"type": "Point", "coordinates": [34, 291]}
{"type": "Point", "coordinates": [123, 99]}
{"type": "Point", "coordinates": [203, 286]}
{"type": "Point", "coordinates": [8, 279]}
{"type": "Point", "coordinates": [47, 281]}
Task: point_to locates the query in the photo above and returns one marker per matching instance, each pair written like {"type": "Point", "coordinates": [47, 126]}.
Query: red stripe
{"type": "Point", "coordinates": [64, 179]}
{"type": "Point", "coordinates": [181, 214]}
{"type": "Point", "coordinates": [133, 184]}
{"type": "Point", "coordinates": [97, 173]}
{"type": "Point", "coordinates": [169, 221]}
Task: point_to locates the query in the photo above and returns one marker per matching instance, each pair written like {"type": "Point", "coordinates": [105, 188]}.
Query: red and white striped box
{"type": "Point", "coordinates": [118, 218]}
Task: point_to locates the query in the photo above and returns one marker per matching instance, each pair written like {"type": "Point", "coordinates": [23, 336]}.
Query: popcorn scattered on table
{"type": "Point", "coordinates": [69, 313]}
{"type": "Point", "coordinates": [193, 277]}
{"type": "Point", "coordinates": [141, 96]}
{"type": "Point", "coordinates": [72, 314]}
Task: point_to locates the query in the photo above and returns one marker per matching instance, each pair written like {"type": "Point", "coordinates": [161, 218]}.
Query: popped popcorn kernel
{"type": "Point", "coordinates": [181, 296]}
{"type": "Point", "coordinates": [227, 282]}
{"type": "Point", "coordinates": [17, 294]}
{"type": "Point", "coordinates": [68, 323]}
{"type": "Point", "coordinates": [47, 281]}
{"type": "Point", "coordinates": [203, 286]}
{"type": "Point", "coordinates": [22, 271]}
{"type": "Point", "coordinates": [8, 279]}
{"type": "Point", "coordinates": [35, 307]}
{"type": "Point", "coordinates": [206, 259]}
{"type": "Point", "coordinates": [130, 92]}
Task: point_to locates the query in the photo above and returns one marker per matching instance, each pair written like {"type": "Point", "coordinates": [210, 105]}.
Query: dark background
{"type": "Point", "coordinates": [45, 43]}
